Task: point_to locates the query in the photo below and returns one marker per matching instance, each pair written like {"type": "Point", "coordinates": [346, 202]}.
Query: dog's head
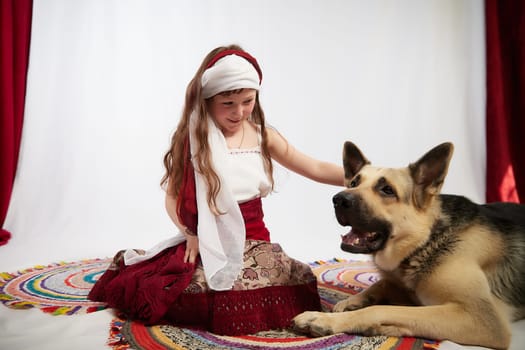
{"type": "Point", "coordinates": [389, 208]}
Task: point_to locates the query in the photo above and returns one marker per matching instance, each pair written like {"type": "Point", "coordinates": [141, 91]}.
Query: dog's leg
{"type": "Point", "coordinates": [441, 322]}
{"type": "Point", "coordinates": [381, 292]}
{"type": "Point", "coordinates": [459, 309]}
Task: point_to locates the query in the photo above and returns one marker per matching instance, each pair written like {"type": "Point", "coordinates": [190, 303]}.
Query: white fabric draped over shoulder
{"type": "Point", "coordinates": [221, 237]}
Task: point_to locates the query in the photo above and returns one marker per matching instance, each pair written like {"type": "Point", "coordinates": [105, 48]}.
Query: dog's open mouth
{"type": "Point", "coordinates": [361, 242]}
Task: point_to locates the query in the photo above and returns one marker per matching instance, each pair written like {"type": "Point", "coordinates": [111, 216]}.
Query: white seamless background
{"type": "Point", "coordinates": [106, 86]}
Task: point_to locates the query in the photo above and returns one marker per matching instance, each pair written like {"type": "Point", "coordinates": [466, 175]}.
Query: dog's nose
{"type": "Point", "coordinates": [342, 199]}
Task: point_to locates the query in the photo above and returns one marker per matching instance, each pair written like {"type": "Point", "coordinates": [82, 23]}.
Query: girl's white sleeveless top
{"type": "Point", "coordinates": [247, 178]}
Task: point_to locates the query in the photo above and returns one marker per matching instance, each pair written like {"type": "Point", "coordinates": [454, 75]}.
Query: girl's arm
{"type": "Point", "coordinates": [291, 158]}
{"type": "Point", "coordinates": [192, 242]}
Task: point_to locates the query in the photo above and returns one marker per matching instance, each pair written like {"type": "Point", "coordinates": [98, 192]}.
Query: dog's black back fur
{"type": "Point", "coordinates": [505, 215]}
{"type": "Point", "coordinates": [506, 219]}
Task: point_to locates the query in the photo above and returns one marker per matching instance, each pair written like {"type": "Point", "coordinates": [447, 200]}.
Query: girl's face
{"type": "Point", "coordinates": [229, 111]}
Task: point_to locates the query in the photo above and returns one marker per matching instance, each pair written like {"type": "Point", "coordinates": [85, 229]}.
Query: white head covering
{"type": "Point", "coordinates": [229, 73]}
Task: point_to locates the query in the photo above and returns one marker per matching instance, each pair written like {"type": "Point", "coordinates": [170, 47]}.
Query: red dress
{"type": "Point", "coordinates": [271, 289]}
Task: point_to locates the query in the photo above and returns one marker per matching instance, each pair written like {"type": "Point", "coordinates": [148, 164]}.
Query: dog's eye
{"type": "Point", "coordinates": [355, 181]}
{"type": "Point", "coordinates": [388, 191]}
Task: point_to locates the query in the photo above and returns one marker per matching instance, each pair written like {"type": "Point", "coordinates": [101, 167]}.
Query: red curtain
{"type": "Point", "coordinates": [15, 33]}
{"type": "Point", "coordinates": [505, 42]}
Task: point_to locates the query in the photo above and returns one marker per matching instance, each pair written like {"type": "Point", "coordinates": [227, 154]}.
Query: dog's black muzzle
{"type": "Point", "coordinates": [368, 233]}
{"type": "Point", "coordinates": [347, 207]}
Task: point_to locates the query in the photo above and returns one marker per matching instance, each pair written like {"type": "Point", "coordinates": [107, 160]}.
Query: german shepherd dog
{"type": "Point", "coordinates": [450, 269]}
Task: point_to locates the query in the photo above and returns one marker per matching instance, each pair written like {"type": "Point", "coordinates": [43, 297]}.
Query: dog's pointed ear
{"type": "Point", "coordinates": [353, 159]}
{"type": "Point", "coordinates": [429, 173]}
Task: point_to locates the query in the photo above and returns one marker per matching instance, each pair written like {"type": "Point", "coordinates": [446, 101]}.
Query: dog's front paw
{"type": "Point", "coordinates": [315, 323]}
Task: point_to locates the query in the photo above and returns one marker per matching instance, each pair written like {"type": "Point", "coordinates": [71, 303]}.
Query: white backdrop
{"type": "Point", "coordinates": [106, 86]}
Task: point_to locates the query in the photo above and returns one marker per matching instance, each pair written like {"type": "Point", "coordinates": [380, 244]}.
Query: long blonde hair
{"type": "Point", "coordinates": [175, 157]}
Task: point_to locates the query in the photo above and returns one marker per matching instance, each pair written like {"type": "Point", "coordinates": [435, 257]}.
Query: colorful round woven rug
{"type": "Point", "coordinates": [169, 337]}
{"type": "Point", "coordinates": [355, 275]}
{"type": "Point", "coordinates": [337, 278]}
{"type": "Point", "coordinates": [60, 289]}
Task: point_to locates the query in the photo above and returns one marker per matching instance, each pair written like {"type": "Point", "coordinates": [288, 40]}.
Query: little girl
{"type": "Point", "coordinates": [220, 273]}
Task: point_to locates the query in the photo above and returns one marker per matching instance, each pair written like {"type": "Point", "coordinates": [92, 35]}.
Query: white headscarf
{"type": "Point", "coordinates": [229, 73]}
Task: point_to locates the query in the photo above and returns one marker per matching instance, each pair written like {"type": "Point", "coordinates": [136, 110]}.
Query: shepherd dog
{"type": "Point", "coordinates": [449, 269]}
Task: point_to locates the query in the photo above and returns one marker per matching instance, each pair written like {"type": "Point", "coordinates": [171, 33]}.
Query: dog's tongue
{"type": "Point", "coordinates": [358, 238]}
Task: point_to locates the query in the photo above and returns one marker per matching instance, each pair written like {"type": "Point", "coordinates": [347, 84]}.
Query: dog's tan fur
{"type": "Point", "coordinates": [454, 266]}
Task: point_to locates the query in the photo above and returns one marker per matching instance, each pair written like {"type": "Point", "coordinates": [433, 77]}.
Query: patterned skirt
{"type": "Point", "coordinates": [271, 289]}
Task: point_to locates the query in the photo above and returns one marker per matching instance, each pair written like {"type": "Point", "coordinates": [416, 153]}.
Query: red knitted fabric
{"type": "Point", "coordinates": [244, 312]}
{"type": "Point", "coordinates": [145, 290]}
